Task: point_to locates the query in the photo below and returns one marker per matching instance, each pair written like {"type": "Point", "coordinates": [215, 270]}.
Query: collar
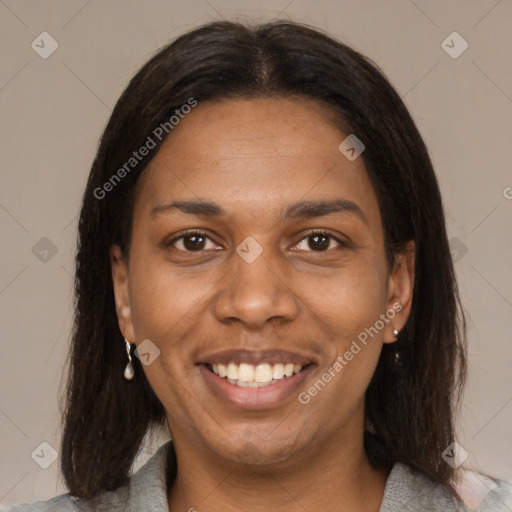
{"type": "Point", "coordinates": [405, 488]}
{"type": "Point", "coordinates": [148, 486]}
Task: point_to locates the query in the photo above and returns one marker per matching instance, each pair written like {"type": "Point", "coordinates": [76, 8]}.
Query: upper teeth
{"type": "Point", "coordinates": [253, 375]}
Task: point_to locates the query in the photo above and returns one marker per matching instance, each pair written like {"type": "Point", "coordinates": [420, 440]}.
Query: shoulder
{"type": "Point", "coordinates": [62, 503]}
{"type": "Point", "coordinates": [145, 490]}
{"type": "Point", "coordinates": [112, 501]}
{"type": "Point", "coordinates": [410, 490]}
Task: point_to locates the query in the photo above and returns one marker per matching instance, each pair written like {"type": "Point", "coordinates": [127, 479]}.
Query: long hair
{"type": "Point", "coordinates": [410, 409]}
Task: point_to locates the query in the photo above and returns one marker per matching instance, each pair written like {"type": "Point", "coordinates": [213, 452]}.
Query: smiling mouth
{"type": "Point", "coordinates": [255, 375]}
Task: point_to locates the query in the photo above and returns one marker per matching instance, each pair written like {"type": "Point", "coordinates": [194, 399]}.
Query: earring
{"type": "Point", "coordinates": [128, 371]}
{"type": "Point", "coordinates": [398, 357]}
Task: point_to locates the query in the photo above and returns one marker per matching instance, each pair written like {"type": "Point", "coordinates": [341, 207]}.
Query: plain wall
{"type": "Point", "coordinates": [52, 114]}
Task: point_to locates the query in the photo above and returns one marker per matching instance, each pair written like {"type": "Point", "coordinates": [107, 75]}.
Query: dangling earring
{"type": "Point", "coordinates": [398, 358]}
{"type": "Point", "coordinates": [128, 371]}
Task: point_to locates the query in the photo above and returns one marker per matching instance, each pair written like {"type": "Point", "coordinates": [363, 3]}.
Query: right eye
{"type": "Point", "coordinates": [193, 240]}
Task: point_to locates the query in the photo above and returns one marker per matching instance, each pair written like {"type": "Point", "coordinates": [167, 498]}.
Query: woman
{"type": "Point", "coordinates": [281, 265]}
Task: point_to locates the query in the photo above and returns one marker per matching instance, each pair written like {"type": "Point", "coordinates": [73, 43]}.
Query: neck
{"type": "Point", "coordinates": [340, 479]}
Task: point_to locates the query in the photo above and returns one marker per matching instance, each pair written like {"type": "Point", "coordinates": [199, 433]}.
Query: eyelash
{"type": "Point", "coordinates": [309, 234]}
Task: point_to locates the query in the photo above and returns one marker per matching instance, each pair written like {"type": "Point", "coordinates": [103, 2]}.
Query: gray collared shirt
{"type": "Point", "coordinates": [147, 491]}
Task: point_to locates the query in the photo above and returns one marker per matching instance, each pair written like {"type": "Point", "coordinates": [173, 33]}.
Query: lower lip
{"type": "Point", "coordinates": [265, 397]}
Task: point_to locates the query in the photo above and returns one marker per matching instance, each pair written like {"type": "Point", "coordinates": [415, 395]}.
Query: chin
{"type": "Point", "coordinates": [261, 450]}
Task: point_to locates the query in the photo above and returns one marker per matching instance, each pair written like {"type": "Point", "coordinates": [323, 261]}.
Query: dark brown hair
{"type": "Point", "coordinates": [410, 409]}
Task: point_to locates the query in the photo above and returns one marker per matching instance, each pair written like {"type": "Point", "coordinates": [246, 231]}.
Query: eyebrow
{"type": "Point", "coordinates": [299, 210]}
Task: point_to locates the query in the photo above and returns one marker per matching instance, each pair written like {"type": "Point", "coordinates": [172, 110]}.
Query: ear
{"type": "Point", "coordinates": [400, 291]}
{"type": "Point", "coordinates": [119, 269]}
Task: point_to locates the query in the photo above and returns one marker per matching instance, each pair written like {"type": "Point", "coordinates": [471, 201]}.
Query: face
{"type": "Point", "coordinates": [283, 278]}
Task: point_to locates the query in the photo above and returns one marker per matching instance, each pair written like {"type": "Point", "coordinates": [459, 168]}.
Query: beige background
{"type": "Point", "coordinates": [53, 111]}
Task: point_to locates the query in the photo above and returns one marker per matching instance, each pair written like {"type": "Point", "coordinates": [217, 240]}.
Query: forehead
{"type": "Point", "coordinates": [251, 154]}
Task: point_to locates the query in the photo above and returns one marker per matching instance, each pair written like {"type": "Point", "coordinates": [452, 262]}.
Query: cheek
{"type": "Point", "coordinates": [351, 306]}
{"type": "Point", "coordinates": [352, 298]}
{"type": "Point", "coordinates": [163, 307]}
{"type": "Point", "coordinates": [161, 297]}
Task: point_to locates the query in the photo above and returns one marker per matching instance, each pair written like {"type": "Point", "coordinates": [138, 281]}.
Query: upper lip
{"type": "Point", "coordinates": [255, 357]}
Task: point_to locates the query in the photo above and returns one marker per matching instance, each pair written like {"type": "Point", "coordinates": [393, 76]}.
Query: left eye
{"type": "Point", "coordinates": [320, 241]}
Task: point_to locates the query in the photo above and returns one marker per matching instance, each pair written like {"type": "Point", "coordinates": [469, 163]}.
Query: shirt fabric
{"type": "Point", "coordinates": [405, 491]}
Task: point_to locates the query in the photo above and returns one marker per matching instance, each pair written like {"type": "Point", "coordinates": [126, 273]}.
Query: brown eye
{"type": "Point", "coordinates": [191, 241]}
{"type": "Point", "coordinates": [320, 241]}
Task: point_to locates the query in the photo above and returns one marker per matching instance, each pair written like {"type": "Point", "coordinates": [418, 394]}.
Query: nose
{"type": "Point", "coordinates": [254, 293]}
